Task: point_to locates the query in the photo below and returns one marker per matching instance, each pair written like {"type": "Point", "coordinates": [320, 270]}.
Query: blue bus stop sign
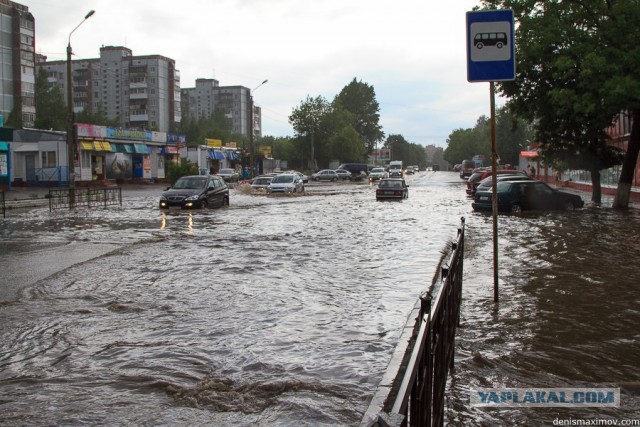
{"type": "Point", "coordinates": [490, 46]}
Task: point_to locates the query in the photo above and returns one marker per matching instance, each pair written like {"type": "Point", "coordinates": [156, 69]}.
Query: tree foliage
{"type": "Point", "coordinates": [216, 126]}
{"type": "Point", "coordinates": [51, 111]}
{"type": "Point", "coordinates": [577, 69]}
{"type": "Point", "coordinates": [344, 130]}
{"type": "Point", "coordinates": [409, 153]}
{"type": "Point", "coordinates": [360, 100]}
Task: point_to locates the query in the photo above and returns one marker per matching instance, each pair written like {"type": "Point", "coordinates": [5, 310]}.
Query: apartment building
{"type": "Point", "coordinates": [17, 63]}
{"type": "Point", "coordinates": [203, 99]}
{"type": "Point", "coordinates": [140, 92]}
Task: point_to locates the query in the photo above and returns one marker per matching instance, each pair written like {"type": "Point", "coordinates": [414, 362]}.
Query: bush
{"type": "Point", "coordinates": [177, 170]}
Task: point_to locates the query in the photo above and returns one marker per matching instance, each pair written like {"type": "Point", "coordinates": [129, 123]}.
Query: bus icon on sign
{"type": "Point", "coordinates": [490, 39]}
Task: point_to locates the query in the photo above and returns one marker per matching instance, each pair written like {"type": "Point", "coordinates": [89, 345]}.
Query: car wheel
{"type": "Point", "coordinates": [516, 208]}
{"type": "Point", "coordinates": [225, 202]}
{"type": "Point", "coordinates": [204, 204]}
{"type": "Point", "coordinates": [334, 179]}
{"type": "Point", "coordinates": [569, 206]}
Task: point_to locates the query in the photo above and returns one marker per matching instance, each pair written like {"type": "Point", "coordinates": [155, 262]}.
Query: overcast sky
{"type": "Point", "coordinates": [411, 51]}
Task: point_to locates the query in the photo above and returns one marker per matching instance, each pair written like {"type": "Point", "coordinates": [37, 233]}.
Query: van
{"type": "Point", "coordinates": [358, 170]}
{"type": "Point", "coordinates": [466, 168]}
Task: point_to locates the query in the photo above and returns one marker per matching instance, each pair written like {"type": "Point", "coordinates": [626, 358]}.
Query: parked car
{"type": "Point", "coordinates": [261, 182]}
{"type": "Point", "coordinates": [229, 175]}
{"type": "Point", "coordinates": [480, 174]}
{"type": "Point", "coordinates": [285, 183]}
{"type": "Point", "coordinates": [325, 175]}
{"type": "Point", "coordinates": [343, 174]}
{"type": "Point", "coordinates": [302, 176]}
{"type": "Point", "coordinates": [196, 191]}
{"type": "Point", "coordinates": [377, 173]}
{"type": "Point", "coordinates": [392, 188]}
{"type": "Point", "coordinates": [486, 183]}
{"type": "Point", "coordinates": [517, 196]}
{"type": "Point", "coordinates": [358, 170]}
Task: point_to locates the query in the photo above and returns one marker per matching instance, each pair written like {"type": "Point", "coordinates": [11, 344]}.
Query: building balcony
{"type": "Point", "coordinates": [138, 96]}
{"type": "Point", "coordinates": [138, 85]}
{"type": "Point", "coordinates": [139, 117]}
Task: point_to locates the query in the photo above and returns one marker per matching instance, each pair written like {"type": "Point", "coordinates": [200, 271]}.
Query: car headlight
{"type": "Point", "coordinates": [192, 198]}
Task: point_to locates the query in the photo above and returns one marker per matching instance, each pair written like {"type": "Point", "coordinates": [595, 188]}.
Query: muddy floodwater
{"type": "Point", "coordinates": [285, 310]}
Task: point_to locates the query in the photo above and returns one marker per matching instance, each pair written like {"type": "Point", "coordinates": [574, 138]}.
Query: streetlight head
{"type": "Point", "coordinates": [90, 14]}
{"type": "Point", "coordinates": [265, 81]}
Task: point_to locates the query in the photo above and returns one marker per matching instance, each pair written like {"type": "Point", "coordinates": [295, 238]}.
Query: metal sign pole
{"type": "Point", "coordinates": [494, 198]}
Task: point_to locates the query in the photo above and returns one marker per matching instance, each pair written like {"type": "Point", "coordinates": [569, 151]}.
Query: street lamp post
{"type": "Point", "coordinates": [71, 143]}
{"type": "Point", "coordinates": [251, 126]}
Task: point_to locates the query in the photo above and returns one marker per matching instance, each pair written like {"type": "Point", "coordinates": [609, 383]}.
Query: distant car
{"type": "Point", "coordinates": [395, 173]}
{"type": "Point", "coordinates": [196, 191]}
{"type": "Point", "coordinates": [377, 174]}
{"type": "Point", "coordinates": [416, 168]}
{"type": "Point", "coordinates": [343, 174]}
{"type": "Point", "coordinates": [479, 174]}
{"type": "Point", "coordinates": [435, 168]}
{"type": "Point", "coordinates": [486, 183]}
{"type": "Point", "coordinates": [467, 167]}
{"type": "Point", "coordinates": [261, 182]}
{"type": "Point", "coordinates": [392, 188]}
{"type": "Point", "coordinates": [229, 175]}
{"type": "Point", "coordinates": [409, 170]}
{"type": "Point", "coordinates": [518, 196]}
{"type": "Point", "coordinates": [302, 176]}
{"type": "Point", "coordinates": [285, 183]}
{"type": "Point", "coordinates": [325, 175]}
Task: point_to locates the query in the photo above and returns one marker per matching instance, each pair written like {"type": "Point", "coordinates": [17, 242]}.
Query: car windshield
{"type": "Point", "coordinates": [279, 179]}
{"type": "Point", "coordinates": [377, 170]}
{"type": "Point", "coordinates": [226, 171]}
{"type": "Point", "coordinates": [390, 184]}
{"type": "Point", "coordinates": [261, 181]}
{"type": "Point", "coordinates": [190, 183]}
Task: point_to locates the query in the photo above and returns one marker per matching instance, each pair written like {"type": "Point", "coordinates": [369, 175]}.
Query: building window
{"type": "Point", "coordinates": [49, 159]}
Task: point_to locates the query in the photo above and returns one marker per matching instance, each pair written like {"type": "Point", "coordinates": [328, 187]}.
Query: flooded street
{"type": "Point", "coordinates": [286, 310]}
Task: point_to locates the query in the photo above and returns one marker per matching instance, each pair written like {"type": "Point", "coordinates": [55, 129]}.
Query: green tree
{"type": "Point", "coordinates": [306, 119]}
{"type": "Point", "coordinates": [360, 100]}
{"type": "Point", "coordinates": [513, 134]}
{"type": "Point", "coordinates": [99, 118]}
{"type": "Point", "coordinates": [577, 69]}
{"type": "Point", "coordinates": [51, 111]}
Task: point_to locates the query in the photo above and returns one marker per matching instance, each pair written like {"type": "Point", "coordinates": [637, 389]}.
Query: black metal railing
{"type": "Point", "coordinates": [412, 390]}
{"type": "Point", "coordinates": [84, 197]}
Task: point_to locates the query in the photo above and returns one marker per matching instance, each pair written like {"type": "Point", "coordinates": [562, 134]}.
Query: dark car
{"type": "Point", "coordinates": [196, 191]}
{"type": "Point", "coordinates": [479, 174]}
{"type": "Point", "coordinates": [392, 188]}
{"type": "Point", "coordinates": [485, 184]}
{"type": "Point", "coordinates": [517, 196]}
{"type": "Point", "coordinates": [229, 175]}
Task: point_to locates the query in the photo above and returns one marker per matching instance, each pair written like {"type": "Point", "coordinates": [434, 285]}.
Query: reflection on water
{"type": "Point", "coordinates": [177, 220]}
{"type": "Point", "coordinates": [567, 316]}
{"type": "Point", "coordinates": [285, 310]}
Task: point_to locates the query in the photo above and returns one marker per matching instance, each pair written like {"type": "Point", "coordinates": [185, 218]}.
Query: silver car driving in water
{"type": "Point", "coordinates": [285, 183]}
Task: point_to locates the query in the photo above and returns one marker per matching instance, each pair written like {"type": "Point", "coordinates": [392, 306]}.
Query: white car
{"type": "Point", "coordinates": [285, 183]}
{"type": "Point", "coordinates": [377, 174]}
{"type": "Point", "coordinates": [261, 182]}
{"type": "Point", "coordinates": [343, 174]}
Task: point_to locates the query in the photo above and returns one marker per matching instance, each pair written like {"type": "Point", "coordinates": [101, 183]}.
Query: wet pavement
{"type": "Point", "coordinates": [285, 310]}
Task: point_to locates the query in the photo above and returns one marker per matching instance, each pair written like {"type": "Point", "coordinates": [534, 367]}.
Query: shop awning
{"type": "Point", "coordinates": [102, 146]}
{"type": "Point", "coordinates": [26, 148]}
{"type": "Point", "coordinates": [219, 155]}
{"type": "Point", "coordinates": [210, 155]}
{"type": "Point", "coordinates": [87, 145]}
{"type": "Point", "coordinates": [238, 157]}
{"type": "Point", "coordinates": [123, 148]}
{"type": "Point", "coordinates": [229, 155]}
{"type": "Point", "coordinates": [140, 149]}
